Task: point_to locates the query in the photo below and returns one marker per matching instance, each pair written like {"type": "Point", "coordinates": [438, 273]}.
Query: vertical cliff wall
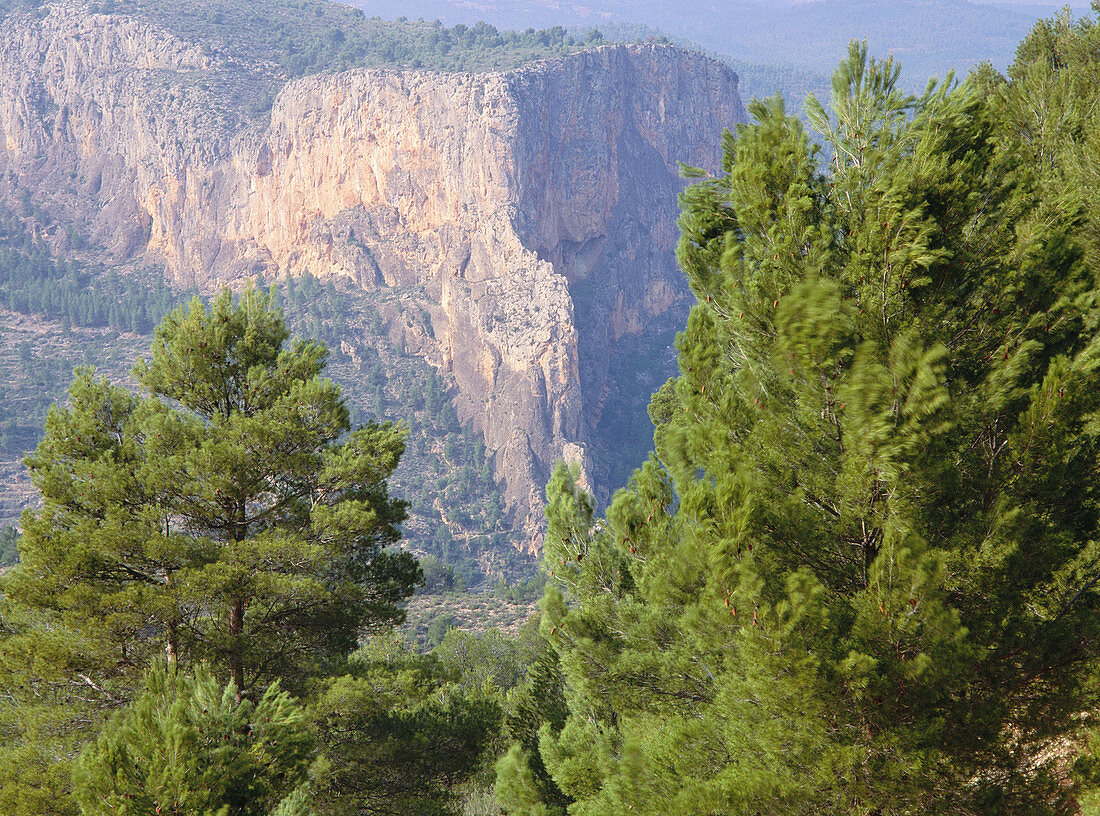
{"type": "Point", "coordinates": [530, 213]}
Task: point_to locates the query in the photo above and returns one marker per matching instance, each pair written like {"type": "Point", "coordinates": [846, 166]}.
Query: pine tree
{"type": "Point", "coordinates": [228, 515]}
{"type": "Point", "coordinates": [399, 735]}
{"type": "Point", "coordinates": [523, 785]}
{"type": "Point", "coordinates": [189, 745]}
{"type": "Point", "coordinates": [860, 574]}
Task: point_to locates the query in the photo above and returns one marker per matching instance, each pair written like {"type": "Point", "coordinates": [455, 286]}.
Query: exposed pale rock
{"type": "Point", "coordinates": [533, 210]}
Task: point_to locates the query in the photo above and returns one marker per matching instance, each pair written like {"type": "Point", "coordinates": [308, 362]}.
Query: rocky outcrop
{"type": "Point", "coordinates": [531, 213]}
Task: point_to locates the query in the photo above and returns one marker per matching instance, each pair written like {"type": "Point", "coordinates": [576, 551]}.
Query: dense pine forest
{"type": "Point", "coordinates": [859, 573]}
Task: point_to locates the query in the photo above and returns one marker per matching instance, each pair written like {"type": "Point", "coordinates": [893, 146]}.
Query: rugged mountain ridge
{"type": "Point", "coordinates": [530, 214]}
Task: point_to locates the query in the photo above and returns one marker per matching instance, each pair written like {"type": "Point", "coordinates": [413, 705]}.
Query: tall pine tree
{"type": "Point", "coordinates": [861, 573]}
{"type": "Point", "coordinates": [228, 515]}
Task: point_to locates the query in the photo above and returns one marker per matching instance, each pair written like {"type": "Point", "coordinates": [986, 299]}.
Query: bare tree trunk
{"type": "Point", "coordinates": [236, 610]}
{"type": "Point", "coordinates": [171, 646]}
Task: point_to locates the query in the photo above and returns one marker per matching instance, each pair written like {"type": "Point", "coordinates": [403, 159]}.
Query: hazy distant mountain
{"type": "Point", "coordinates": [928, 36]}
{"type": "Point", "coordinates": [1042, 6]}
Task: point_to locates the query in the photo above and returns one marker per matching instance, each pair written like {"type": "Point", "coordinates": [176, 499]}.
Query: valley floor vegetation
{"type": "Point", "coordinates": [860, 573]}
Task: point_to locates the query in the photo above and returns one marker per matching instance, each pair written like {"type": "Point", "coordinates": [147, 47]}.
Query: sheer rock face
{"type": "Point", "coordinates": [531, 213]}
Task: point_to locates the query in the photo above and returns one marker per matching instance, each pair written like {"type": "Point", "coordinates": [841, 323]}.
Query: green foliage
{"type": "Point", "coordinates": [310, 36]}
{"type": "Point", "coordinates": [456, 512]}
{"type": "Point", "coordinates": [528, 589]}
{"type": "Point", "coordinates": [398, 735]}
{"type": "Point", "coordinates": [438, 575]}
{"type": "Point", "coordinates": [229, 515]}
{"type": "Point", "coordinates": [34, 282]}
{"type": "Point", "coordinates": [490, 660]}
{"type": "Point", "coordinates": [438, 629]}
{"type": "Point", "coordinates": [29, 389]}
{"type": "Point", "coordinates": [46, 714]}
{"type": "Point", "coordinates": [298, 803]}
{"type": "Point", "coordinates": [9, 546]}
{"type": "Point", "coordinates": [859, 575]}
{"type": "Point", "coordinates": [537, 706]}
{"type": "Point", "coordinates": [190, 745]}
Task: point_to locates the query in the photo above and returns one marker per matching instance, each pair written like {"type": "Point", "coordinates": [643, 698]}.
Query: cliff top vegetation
{"type": "Point", "coordinates": [311, 36]}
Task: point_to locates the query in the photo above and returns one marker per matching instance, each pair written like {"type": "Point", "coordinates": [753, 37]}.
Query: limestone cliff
{"type": "Point", "coordinates": [531, 213]}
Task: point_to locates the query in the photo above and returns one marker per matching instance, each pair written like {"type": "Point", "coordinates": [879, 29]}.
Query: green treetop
{"type": "Point", "coordinates": [862, 572]}
{"type": "Point", "coordinates": [230, 514]}
{"type": "Point", "coordinates": [188, 746]}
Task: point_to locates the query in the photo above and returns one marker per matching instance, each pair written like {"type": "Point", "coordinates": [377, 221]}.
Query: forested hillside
{"type": "Point", "coordinates": [308, 36]}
